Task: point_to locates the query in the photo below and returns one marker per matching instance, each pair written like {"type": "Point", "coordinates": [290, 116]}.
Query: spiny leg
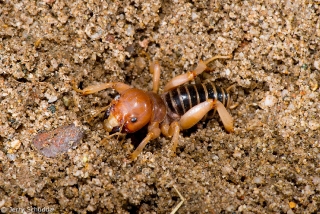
{"type": "Point", "coordinates": [172, 130]}
{"type": "Point", "coordinates": [118, 86]}
{"type": "Point", "coordinates": [193, 116]}
{"type": "Point", "coordinates": [231, 105]}
{"type": "Point", "coordinates": [183, 78]}
{"type": "Point", "coordinates": [217, 57]}
{"type": "Point", "coordinates": [225, 117]}
{"type": "Point", "coordinates": [153, 132]}
{"type": "Point", "coordinates": [175, 129]}
{"type": "Point", "coordinates": [196, 113]}
{"type": "Point", "coordinates": [231, 87]}
{"type": "Point", "coordinates": [141, 146]}
{"type": "Point", "coordinates": [155, 70]}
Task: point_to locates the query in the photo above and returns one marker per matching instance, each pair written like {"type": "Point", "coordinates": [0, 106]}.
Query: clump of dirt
{"type": "Point", "coordinates": [58, 141]}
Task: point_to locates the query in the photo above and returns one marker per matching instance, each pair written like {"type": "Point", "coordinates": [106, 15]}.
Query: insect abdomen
{"type": "Point", "coordinates": [181, 99]}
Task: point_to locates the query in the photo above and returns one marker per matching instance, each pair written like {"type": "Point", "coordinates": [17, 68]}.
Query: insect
{"type": "Point", "coordinates": [179, 107]}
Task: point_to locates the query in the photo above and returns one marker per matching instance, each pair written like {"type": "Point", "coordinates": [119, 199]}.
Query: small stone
{"type": "Point", "coordinates": [292, 204]}
{"type": "Point", "coordinates": [226, 170]}
{"type": "Point", "coordinates": [258, 180]}
{"type": "Point", "coordinates": [49, 1]}
{"type": "Point", "coordinates": [130, 30]}
{"type": "Point", "coordinates": [93, 32]}
{"type": "Point", "coordinates": [313, 84]}
{"type": "Point", "coordinates": [290, 211]}
{"type": "Point", "coordinates": [52, 108]}
{"type": "Point", "coordinates": [66, 101]}
{"type": "Point", "coordinates": [316, 180]}
{"type": "Point", "coordinates": [194, 16]}
{"type": "Point", "coordinates": [13, 146]}
{"type": "Point", "coordinates": [58, 141]}
{"type": "Point", "coordinates": [140, 63]}
{"type": "Point", "coordinates": [237, 154]}
{"type": "Point", "coordinates": [51, 98]}
{"type": "Point", "coordinates": [144, 43]}
{"type": "Point", "coordinates": [317, 64]}
{"type": "Point", "coordinates": [54, 63]}
{"type": "Point", "coordinates": [268, 101]}
{"type": "Point", "coordinates": [2, 202]}
{"type": "Point", "coordinates": [313, 125]}
{"type": "Point", "coordinates": [11, 157]}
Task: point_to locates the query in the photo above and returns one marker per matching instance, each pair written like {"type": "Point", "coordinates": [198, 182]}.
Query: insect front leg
{"type": "Point", "coordinates": [196, 113]}
{"type": "Point", "coordinates": [153, 132]}
{"type": "Point", "coordinates": [118, 86]}
{"type": "Point", "coordinates": [183, 78]}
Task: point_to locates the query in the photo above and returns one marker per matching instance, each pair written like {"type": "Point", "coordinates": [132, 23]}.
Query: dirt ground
{"type": "Point", "coordinates": [270, 164]}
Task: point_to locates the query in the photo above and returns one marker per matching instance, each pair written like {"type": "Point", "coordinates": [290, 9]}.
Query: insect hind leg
{"type": "Point", "coordinates": [196, 113]}
{"type": "Point", "coordinates": [183, 78]}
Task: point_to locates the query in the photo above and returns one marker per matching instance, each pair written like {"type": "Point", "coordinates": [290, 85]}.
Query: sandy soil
{"type": "Point", "coordinates": [270, 164]}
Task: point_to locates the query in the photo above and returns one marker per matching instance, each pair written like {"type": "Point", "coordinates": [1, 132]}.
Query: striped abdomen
{"type": "Point", "coordinates": [181, 99]}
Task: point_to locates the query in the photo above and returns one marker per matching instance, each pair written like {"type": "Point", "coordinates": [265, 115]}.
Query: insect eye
{"type": "Point", "coordinates": [133, 119]}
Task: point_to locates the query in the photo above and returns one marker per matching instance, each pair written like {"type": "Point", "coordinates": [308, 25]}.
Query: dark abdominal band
{"type": "Point", "coordinates": [181, 99]}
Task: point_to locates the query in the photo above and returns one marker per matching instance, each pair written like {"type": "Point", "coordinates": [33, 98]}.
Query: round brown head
{"type": "Point", "coordinates": [129, 112]}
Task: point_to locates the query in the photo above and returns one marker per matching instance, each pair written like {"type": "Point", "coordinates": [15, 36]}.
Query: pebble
{"type": "Point", "coordinates": [317, 64]}
{"type": "Point", "coordinates": [258, 180]}
{"type": "Point", "coordinates": [130, 30]}
{"type": "Point", "coordinates": [60, 140]}
{"type": "Point", "coordinates": [268, 101]}
{"type": "Point", "coordinates": [140, 63]}
{"type": "Point", "coordinates": [292, 204]}
{"type": "Point", "coordinates": [12, 157]}
{"type": "Point", "coordinates": [51, 98]}
{"type": "Point", "coordinates": [14, 145]}
{"type": "Point", "coordinates": [313, 125]}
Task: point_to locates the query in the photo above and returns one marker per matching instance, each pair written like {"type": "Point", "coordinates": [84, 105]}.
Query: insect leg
{"type": "Point", "coordinates": [155, 70]}
{"type": "Point", "coordinates": [153, 132]}
{"type": "Point", "coordinates": [231, 105]}
{"type": "Point", "coordinates": [118, 86]}
{"type": "Point", "coordinates": [174, 131]}
{"type": "Point", "coordinates": [196, 113]}
{"type": "Point", "coordinates": [165, 129]}
{"type": "Point", "coordinates": [183, 78]}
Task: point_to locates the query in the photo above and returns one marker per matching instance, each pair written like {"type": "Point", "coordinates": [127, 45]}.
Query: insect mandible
{"type": "Point", "coordinates": [178, 108]}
